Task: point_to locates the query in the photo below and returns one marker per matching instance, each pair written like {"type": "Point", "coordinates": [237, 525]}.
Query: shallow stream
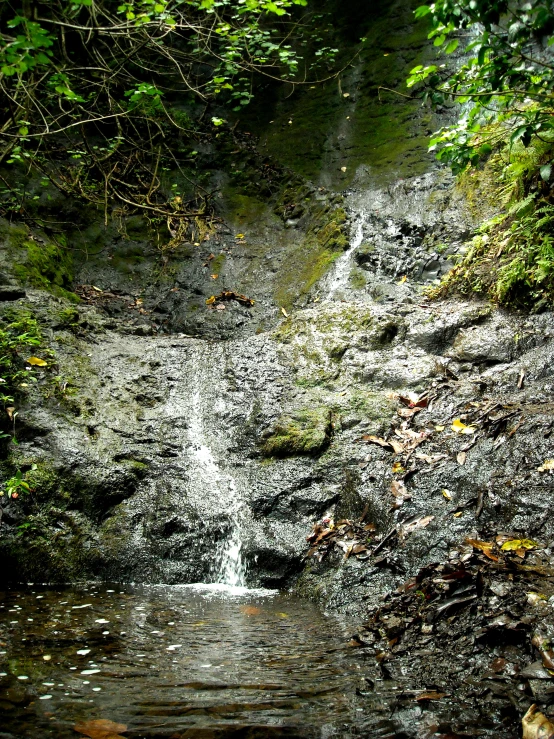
{"type": "Point", "coordinates": [180, 661]}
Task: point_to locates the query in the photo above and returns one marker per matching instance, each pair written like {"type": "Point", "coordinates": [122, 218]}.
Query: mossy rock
{"type": "Point", "coordinates": [37, 262]}
{"type": "Point", "coordinates": [305, 432]}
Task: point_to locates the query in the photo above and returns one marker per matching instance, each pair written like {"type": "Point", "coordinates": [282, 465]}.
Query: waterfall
{"type": "Point", "coordinates": [207, 476]}
{"type": "Point", "coordinates": [337, 279]}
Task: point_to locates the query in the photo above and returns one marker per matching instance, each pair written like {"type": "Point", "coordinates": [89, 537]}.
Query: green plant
{"type": "Point", "coordinates": [93, 92]}
{"type": "Point", "coordinates": [18, 332]}
{"type": "Point", "coordinates": [506, 75]}
{"type": "Point", "coordinates": [17, 484]}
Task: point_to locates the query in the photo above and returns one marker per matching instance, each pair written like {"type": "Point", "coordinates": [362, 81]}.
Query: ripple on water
{"type": "Point", "coordinates": [174, 661]}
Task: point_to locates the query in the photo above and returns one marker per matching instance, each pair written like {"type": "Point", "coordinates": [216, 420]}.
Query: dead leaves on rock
{"type": "Point", "coordinates": [101, 728]}
{"type": "Point", "coordinates": [349, 536]}
{"type": "Point", "coordinates": [227, 295]}
{"type": "Point", "coordinates": [536, 726]}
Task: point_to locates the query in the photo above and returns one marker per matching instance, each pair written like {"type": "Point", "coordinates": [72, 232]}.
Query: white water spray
{"type": "Point", "coordinates": [229, 567]}
{"type": "Point", "coordinates": [338, 278]}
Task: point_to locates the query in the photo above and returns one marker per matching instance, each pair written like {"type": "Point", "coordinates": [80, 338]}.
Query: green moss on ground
{"type": "Point", "coordinates": [302, 432]}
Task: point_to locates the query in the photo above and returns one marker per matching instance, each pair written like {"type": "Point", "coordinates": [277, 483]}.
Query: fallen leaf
{"type": "Point", "coordinates": [457, 515]}
{"type": "Point", "coordinates": [37, 362]}
{"type": "Point", "coordinates": [284, 312]}
{"type": "Point", "coordinates": [548, 464]}
{"type": "Point", "coordinates": [515, 544]}
{"type": "Point", "coordinates": [100, 728]}
{"type": "Point", "coordinates": [397, 469]}
{"type": "Point", "coordinates": [419, 523]}
{"type": "Point", "coordinates": [461, 428]}
{"type": "Point", "coordinates": [483, 546]}
{"type": "Point", "coordinates": [399, 491]}
{"type": "Point", "coordinates": [536, 726]}
{"type": "Point", "coordinates": [239, 236]}
{"type": "Point", "coordinates": [343, 169]}
{"type": "Point", "coordinates": [10, 411]}
{"type": "Point", "coordinates": [402, 280]}
{"type": "Point", "coordinates": [521, 379]}
{"type": "Point", "coordinates": [439, 428]}
{"type": "Point", "coordinates": [430, 696]}
{"type": "Point", "coordinates": [214, 277]}
{"type": "Point", "coordinates": [251, 610]}
{"type": "Point", "coordinates": [98, 289]}
{"type": "Point", "coordinates": [461, 457]}
{"type": "Point", "coordinates": [210, 300]}
{"type": "Point", "coordinates": [446, 494]}
{"type": "Point", "coordinates": [283, 615]}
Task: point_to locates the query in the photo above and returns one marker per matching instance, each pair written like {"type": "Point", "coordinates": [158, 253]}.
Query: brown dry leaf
{"type": "Point", "coordinates": [419, 523]}
{"type": "Point", "coordinates": [483, 546]}
{"type": "Point", "coordinates": [377, 440]}
{"type": "Point", "coordinates": [251, 610]}
{"type": "Point", "coordinates": [37, 362]}
{"type": "Point", "coordinates": [461, 457]}
{"type": "Point", "coordinates": [10, 411]}
{"type": "Point", "coordinates": [398, 489]}
{"type": "Point", "coordinates": [536, 726]}
{"type": "Point", "coordinates": [214, 277]}
{"type": "Point", "coordinates": [430, 696]}
{"type": "Point", "coordinates": [100, 728]}
{"type": "Point", "coordinates": [412, 400]}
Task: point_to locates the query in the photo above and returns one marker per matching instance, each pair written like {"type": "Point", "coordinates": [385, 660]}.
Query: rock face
{"type": "Point", "coordinates": [174, 438]}
{"type": "Point", "coordinates": [159, 452]}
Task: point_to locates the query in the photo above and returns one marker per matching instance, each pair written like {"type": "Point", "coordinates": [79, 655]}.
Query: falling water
{"type": "Point", "coordinates": [337, 280]}
{"type": "Point", "coordinates": [229, 567]}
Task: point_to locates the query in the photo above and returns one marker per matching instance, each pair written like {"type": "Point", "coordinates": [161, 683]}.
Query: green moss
{"type": "Point", "coordinates": [511, 259]}
{"type": "Point", "coordinates": [303, 432]}
{"type": "Point", "coordinates": [43, 264]}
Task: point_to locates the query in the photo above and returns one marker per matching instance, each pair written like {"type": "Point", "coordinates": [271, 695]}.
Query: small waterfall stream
{"type": "Point", "coordinates": [229, 567]}
{"type": "Point", "coordinates": [337, 279]}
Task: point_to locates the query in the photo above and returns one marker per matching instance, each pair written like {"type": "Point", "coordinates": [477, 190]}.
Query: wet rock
{"type": "Point", "coordinates": [11, 292]}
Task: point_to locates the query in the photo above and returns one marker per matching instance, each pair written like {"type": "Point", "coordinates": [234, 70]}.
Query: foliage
{"type": "Point", "coordinates": [506, 74]}
{"type": "Point", "coordinates": [17, 484]}
{"type": "Point", "coordinates": [18, 333]}
{"type": "Point", "coordinates": [511, 259]}
{"type": "Point", "coordinates": [95, 92]}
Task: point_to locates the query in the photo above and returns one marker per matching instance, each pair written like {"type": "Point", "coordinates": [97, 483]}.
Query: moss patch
{"type": "Point", "coordinates": [38, 262]}
{"type": "Point", "coordinates": [303, 432]}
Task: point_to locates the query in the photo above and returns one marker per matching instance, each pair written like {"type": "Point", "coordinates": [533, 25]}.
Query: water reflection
{"type": "Point", "coordinates": [196, 661]}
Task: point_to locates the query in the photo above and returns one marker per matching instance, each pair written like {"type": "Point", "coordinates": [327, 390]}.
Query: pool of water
{"type": "Point", "coordinates": [177, 662]}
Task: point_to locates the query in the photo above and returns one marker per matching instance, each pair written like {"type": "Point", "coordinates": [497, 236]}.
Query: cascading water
{"type": "Point", "coordinates": [337, 280]}
{"type": "Point", "coordinates": [229, 567]}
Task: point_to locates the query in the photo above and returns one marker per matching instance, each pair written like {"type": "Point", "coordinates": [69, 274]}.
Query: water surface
{"type": "Point", "coordinates": [210, 661]}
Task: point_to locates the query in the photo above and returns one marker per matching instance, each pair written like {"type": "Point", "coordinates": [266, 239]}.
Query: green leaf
{"type": "Point", "coordinates": [452, 46]}
{"type": "Point", "coordinates": [422, 11]}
